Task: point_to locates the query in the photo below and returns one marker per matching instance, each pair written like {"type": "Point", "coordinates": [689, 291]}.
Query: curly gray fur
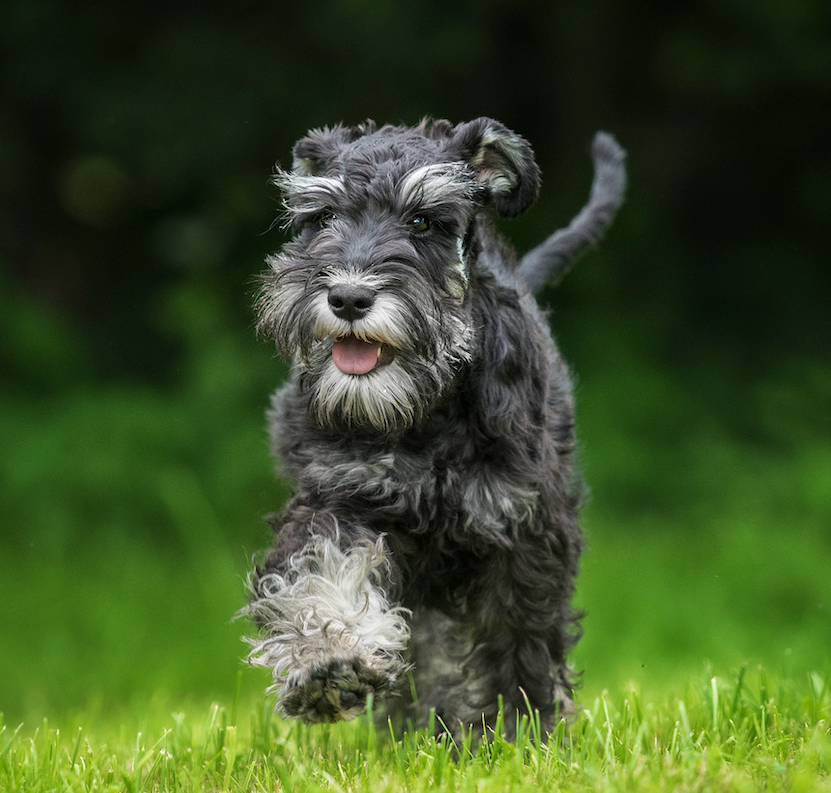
{"type": "Point", "coordinates": [428, 425]}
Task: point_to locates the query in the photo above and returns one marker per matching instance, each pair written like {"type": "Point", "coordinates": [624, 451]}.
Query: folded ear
{"type": "Point", "coordinates": [314, 154]}
{"type": "Point", "coordinates": [503, 162]}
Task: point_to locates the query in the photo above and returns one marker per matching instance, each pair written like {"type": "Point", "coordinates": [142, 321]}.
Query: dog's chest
{"type": "Point", "coordinates": [421, 493]}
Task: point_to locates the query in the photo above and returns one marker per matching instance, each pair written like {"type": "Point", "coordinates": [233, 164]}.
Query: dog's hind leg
{"type": "Point", "coordinates": [438, 648]}
{"type": "Point", "coordinates": [462, 679]}
{"type": "Point", "coordinates": [525, 629]}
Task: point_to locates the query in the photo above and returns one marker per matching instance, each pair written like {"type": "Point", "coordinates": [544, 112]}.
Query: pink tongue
{"type": "Point", "coordinates": [354, 356]}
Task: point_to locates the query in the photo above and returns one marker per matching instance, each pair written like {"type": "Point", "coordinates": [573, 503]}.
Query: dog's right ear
{"type": "Point", "coordinates": [314, 154]}
{"type": "Point", "coordinates": [503, 161]}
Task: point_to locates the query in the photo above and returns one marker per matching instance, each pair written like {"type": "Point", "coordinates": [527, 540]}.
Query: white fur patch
{"type": "Point", "coordinates": [454, 287]}
{"type": "Point", "coordinates": [304, 195]}
{"type": "Point", "coordinates": [328, 605]}
{"type": "Point", "coordinates": [383, 399]}
{"type": "Point", "coordinates": [431, 185]}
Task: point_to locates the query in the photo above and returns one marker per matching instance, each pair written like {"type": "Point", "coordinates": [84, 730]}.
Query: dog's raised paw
{"type": "Point", "coordinates": [332, 691]}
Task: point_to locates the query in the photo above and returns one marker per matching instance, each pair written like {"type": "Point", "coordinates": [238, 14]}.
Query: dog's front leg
{"type": "Point", "coordinates": [328, 631]}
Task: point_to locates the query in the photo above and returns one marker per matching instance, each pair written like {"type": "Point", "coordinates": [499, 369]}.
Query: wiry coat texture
{"type": "Point", "coordinates": [429, 427]}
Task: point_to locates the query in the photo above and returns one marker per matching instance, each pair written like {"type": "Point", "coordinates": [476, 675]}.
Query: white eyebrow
{"type": "Point", "coordinates": [309, 194]}
{"type": "Point", "coordinates": [431, 185]}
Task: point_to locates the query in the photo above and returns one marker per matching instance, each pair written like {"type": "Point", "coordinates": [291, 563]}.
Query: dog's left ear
{"type": "Point", "coordinates": [314, 154]}
{"type": "Point", "coordinates": [503, 162]}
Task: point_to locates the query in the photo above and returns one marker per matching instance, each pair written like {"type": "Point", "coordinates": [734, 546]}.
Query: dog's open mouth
{"type": "Point", "coordinates": [356, 356]}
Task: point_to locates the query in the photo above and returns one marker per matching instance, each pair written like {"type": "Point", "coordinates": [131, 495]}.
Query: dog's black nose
{"type": "Point", "coordinates": [350, 302]}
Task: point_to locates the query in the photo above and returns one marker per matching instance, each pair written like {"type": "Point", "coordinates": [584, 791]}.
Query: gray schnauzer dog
{"type": "Point", "coordinates": [431, 544]}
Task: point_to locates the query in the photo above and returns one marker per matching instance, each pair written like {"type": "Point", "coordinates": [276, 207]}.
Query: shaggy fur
{"type": "Point", "coordinates": [429, 427]}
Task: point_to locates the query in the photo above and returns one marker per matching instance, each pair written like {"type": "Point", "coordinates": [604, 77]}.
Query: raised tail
{"type": "Point", "coordinates": [552, 259]}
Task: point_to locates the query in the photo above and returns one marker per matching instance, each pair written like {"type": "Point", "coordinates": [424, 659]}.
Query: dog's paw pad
{"type": "Point", "coordinates": [334, 691]}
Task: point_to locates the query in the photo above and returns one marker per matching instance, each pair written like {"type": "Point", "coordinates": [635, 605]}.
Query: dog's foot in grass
{"type": "Point", "coordinates": [333, 691]}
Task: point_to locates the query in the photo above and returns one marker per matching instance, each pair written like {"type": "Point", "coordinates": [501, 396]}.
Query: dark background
{"type": "Point", "coordinates": [136, 143]}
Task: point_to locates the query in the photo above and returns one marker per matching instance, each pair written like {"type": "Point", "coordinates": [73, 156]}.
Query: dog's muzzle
{"type": "Point", "coordinates": [352, 354]}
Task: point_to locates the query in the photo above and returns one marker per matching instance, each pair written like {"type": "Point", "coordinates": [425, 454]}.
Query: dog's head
{"type": "Point", "coordinates": [371, 295]}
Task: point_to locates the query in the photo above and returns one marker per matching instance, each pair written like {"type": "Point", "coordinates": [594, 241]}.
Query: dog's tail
{"type": "Point", "coordinates": [551, 260]}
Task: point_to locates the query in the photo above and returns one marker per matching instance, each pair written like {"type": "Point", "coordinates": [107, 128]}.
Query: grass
{"type": "Point", "coordinates": [748, 732]}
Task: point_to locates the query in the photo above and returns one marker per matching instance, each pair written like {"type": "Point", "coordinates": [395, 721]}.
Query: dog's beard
{"type": "Point", "coordinates": [393, 396]}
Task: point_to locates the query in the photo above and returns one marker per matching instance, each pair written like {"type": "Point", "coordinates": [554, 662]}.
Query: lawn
{"type": "Point", "coordinates": [750, 732]}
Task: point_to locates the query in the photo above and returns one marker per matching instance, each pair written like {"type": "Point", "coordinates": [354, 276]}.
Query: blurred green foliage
{"type": "Point", "coordinates": [136, 141]}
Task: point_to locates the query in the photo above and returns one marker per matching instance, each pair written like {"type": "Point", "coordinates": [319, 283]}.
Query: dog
{"type": "Point", "coordinates": [431, 545]}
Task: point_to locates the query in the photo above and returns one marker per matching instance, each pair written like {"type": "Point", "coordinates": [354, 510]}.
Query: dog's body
{"type": "Point", "coordinates": [429, 427]}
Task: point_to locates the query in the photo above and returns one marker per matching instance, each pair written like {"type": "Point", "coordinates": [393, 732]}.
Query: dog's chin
{"type": "Point", "coordinates": [383, 400]}
{"type": "Point", "coordinates": [368, 384]}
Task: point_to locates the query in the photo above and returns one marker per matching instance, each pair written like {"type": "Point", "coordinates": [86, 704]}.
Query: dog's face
{"type": "Point", "coordinates": [371, 295]}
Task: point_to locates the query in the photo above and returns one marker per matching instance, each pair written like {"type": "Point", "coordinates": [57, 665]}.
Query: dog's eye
{"type": "Point", "coordinates": [322, 220]}
{"type": "Point", "coordinates": [420, 223]}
